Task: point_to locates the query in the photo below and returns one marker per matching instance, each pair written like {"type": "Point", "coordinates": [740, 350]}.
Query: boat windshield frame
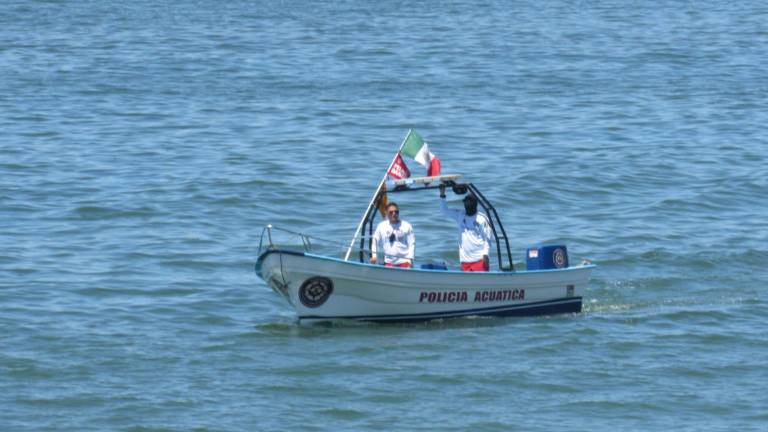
{"type": "Point", "coordinates": [503, 254]}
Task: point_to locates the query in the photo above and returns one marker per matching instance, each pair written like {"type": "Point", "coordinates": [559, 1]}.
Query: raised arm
{"type": "Point", "coordinates": [445, 210]}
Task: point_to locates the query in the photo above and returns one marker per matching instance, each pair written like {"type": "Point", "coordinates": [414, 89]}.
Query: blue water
{"type": "Point", "coordinates": [143, 145]}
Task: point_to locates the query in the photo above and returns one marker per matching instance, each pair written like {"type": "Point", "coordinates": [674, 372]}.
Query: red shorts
{"type": "Point", "coordinates": [403, 265]}
{"type": "Point", "coordinates": [477, 266]}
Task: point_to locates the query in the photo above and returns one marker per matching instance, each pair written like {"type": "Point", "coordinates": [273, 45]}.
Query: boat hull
{"type": "Point", "coordinates": [324, 288]}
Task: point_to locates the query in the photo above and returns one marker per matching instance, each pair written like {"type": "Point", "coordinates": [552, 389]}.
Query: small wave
{"type": "Point", "coordinates": [26, 369]}
{"type": "Point", "coordinates": [21, 271]}
{"type": "Point", "coordinates": [100, 292]}
{"type": "Point", "coordinates": [91, 212]}
{"type": "Point", "coordinates": [343, 413]}
{"type": "Point", "coordinates": [193, 264]}
{"type": "Point", "coordinates": [83, 400]}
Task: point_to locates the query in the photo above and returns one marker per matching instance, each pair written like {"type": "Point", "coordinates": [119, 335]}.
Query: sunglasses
{"type": "Point", "coordinates": [392, 238]}
{"type": "Point", "coordinates": [394, 212]}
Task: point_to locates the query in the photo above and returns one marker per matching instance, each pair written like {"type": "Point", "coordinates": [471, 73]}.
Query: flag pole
{"type": "Point", "coordinates": [375, 194]}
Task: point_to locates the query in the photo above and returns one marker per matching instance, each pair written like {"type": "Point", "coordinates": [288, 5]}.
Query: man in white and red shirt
{"type": "Point", "coordinates": [395, 239]}
{"type": "Point", "coordinates": [474, 233]}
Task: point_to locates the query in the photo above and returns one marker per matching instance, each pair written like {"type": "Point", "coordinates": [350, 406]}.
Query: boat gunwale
{"type": "Point", "coordinates": [264, 254]}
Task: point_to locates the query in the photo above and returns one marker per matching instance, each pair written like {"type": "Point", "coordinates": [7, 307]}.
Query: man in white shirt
{"type": "Point", "coordinates": [394, 238]}
{"type": "Point", "coordinates": [474, 233]}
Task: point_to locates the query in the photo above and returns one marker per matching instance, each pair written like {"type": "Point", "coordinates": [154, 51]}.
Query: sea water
{"type": "Point", "coordinates": [144, 144]}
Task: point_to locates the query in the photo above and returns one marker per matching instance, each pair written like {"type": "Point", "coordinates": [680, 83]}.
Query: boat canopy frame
{"type": "Point", "coordinates": [504, 257]}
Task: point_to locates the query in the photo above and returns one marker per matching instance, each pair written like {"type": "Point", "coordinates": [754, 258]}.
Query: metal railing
{"type": "Point", "coordinates": [281, 238]}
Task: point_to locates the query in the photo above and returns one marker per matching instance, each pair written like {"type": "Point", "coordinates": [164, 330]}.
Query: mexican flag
{"type": "Point", "coordinates": [416, 148]}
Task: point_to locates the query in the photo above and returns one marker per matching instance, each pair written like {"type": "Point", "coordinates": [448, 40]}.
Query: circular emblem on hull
{"type": "Point", "coordinates": [558, 257]}
{"type": "Point", "coordinates": [315, 291]}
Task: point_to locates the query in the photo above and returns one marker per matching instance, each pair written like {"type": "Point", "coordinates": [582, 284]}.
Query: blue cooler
{"type": "Point", "coordinates": [434, 266]}
{"type": "Point", "coordinates": [546, 257]}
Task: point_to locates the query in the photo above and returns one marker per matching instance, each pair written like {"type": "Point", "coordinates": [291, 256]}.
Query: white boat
{"type": "Point", "coordinates": [322, 287]}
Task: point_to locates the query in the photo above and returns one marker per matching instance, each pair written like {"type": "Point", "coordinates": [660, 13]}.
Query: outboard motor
{"type": "Point", "coordinates": [545, 257]}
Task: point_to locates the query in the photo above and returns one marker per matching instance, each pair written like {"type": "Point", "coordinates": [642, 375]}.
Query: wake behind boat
{"type": "Point", "coordinates": [324, 287]}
